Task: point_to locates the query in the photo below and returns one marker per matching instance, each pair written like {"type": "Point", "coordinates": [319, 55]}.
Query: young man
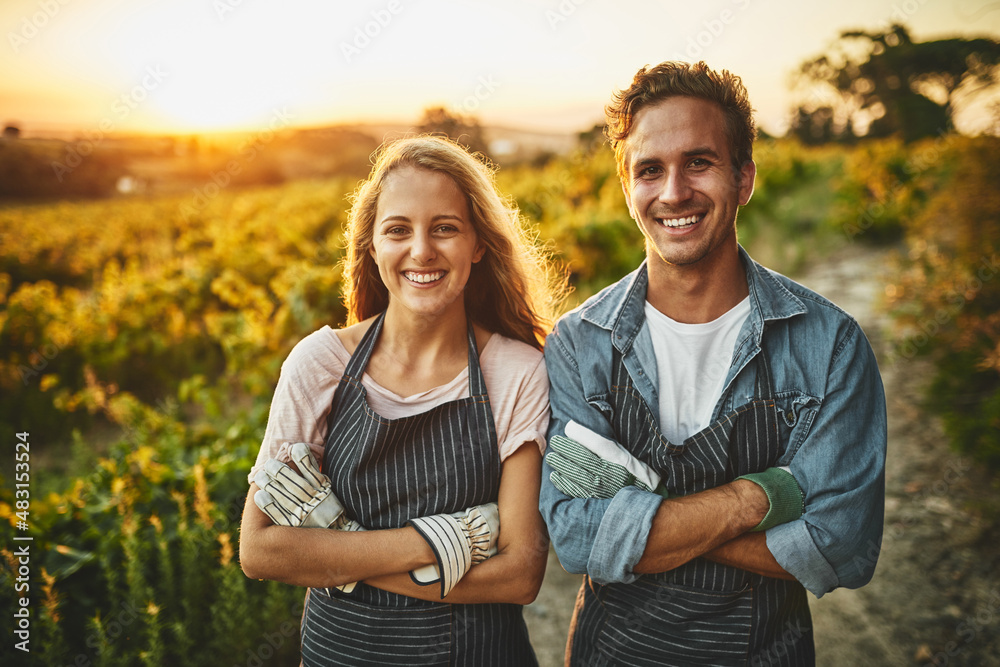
{"type": "Point", "coordinates": [683, 396]}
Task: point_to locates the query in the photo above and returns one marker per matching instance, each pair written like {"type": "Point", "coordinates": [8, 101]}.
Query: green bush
{"type": "Point", "coordinates": [946, 294]}
{"type": "Point", "coordinates": [134, 564]}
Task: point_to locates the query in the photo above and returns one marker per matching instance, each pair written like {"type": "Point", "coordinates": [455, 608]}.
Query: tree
{"type": "Point", "coordinates": [883, 83]}
{"type": "Point", "coordinates": [462, 129]}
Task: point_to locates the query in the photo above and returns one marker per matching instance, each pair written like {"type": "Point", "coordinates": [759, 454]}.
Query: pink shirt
{"type": "Point", "coordinates": [515, 378]}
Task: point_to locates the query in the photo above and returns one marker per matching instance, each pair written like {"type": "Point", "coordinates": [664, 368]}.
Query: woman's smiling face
{"type": "Point", "coordinates": [424, 241]}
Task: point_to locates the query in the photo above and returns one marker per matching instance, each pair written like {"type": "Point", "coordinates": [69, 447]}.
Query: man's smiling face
{"type": "Point", "coordinates": [680, 183]}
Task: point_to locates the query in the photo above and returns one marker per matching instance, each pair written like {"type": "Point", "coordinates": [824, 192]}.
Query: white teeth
{"type": "Point", "coordinates": [424, 277]}
{"type": "Point", "coordinates": [679, 222]}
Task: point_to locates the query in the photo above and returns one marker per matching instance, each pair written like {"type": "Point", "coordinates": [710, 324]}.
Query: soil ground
{"type": "Point", "coordinates": [935, 596]}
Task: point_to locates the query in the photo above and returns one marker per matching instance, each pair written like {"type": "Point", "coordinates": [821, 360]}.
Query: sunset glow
{"type": "Point", "coordinates": [204, 65]}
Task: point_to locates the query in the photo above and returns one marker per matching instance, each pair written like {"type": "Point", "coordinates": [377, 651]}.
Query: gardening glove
{"type": "Point", "coordinates": [784, 494]}
{"type": "Point", "coordinates": [459, 541]}
{"type": "Point", "coordinates": [611, 451]}
{"type": "Point", "coordinates": [304, 498]}
{"type": "Point", "coordinates": [596, 467]}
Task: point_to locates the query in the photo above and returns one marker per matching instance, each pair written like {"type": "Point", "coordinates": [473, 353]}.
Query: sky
{"type": "Point", "coordinates": [191, 66]}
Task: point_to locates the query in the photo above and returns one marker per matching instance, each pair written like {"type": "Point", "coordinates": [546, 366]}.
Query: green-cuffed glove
{"type": "Point", "coordinates": [784, 494]}
{"type": "Point", "coordinates": [580, 473]}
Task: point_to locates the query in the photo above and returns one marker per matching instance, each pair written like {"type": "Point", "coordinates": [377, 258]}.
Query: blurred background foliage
{"type": "Point", "coordinates": [142, 337]}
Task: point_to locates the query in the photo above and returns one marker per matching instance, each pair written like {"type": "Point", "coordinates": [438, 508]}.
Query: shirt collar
{"type": "Point", "coordinates": [620, 307]}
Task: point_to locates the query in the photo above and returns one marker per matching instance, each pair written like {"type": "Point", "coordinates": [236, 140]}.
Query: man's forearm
{"type": "Point", "coordinates": [749, 552]}
{"type": "Point", "coordinates": [691, 526]}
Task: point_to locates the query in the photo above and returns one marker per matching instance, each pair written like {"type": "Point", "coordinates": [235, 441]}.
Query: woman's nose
{"type": "Point", "coordinates": [422, 248]}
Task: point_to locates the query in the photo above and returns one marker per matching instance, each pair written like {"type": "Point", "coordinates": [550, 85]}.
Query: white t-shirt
{"type": "Point", "coordinates": [692, 361]}
{"type": "Point", "coordinates": [514, 373]}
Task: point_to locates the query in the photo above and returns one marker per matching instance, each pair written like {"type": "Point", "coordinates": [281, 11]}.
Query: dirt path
{"type": "Point", "coordinates": [935, 596]}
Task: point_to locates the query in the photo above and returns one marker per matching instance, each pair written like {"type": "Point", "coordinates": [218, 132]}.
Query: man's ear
{"type": "Point", "coordinates": [628, 198]}
{"type": "Point", "coordinates": [746, 176]}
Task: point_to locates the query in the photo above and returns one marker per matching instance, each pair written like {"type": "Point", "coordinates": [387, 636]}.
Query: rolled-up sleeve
{"type": "Point", "coordinates": [841, 468]}
{"type": "Point", "coordinates": [603, 538]}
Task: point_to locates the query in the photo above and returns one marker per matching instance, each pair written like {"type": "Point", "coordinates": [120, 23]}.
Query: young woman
{"type": "Point", "coordinates": [428, 413]}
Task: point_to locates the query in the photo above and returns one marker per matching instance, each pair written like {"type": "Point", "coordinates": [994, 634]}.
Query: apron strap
{"type": "Point", "coordinates": [477, 384]}
{"type": "Point", "coordinates": [359, 360]}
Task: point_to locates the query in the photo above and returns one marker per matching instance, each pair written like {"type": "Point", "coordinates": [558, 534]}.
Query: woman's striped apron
{"type": "Point", "coordinates": [387, 471]}
{"type": "Point", "coordinates": [701, 613]}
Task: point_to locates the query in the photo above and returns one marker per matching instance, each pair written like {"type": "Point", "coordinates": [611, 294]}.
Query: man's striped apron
{"type": "Point", "coordinates": [702, 613]}
{"type": "Point", "coordinates": [387, 471]}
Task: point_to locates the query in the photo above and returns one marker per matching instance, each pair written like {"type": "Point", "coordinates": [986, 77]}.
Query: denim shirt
{"type": "Point", "coordinates": [829, 395]}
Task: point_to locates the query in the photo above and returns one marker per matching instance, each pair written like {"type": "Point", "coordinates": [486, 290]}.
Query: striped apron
{"type": "Point", "coordinates": [701, 613]}
{"type": "Point", "coordinates": [386, 472]}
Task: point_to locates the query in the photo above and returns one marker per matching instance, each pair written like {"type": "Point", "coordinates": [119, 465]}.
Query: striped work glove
{"type": "Point", "coordinates": [459, 541]}
{"type": "Point", "coordinates": [301, 499]}
{"type": "Point", "coordinates": [304, 498]}
{"type": "Point", "coordinates": [588, 465]}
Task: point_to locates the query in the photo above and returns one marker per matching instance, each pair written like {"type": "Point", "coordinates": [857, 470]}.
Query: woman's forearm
{"type": "Point", "coordinates": [515, 574]}
{"type": "Point", "coordinates": [320, 557]}
{"type": "Point", "coordinates": [511, 577]}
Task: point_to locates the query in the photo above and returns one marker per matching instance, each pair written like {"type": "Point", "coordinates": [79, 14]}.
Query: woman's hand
{"type": "Point", "coordinates": [299, 495]}
{"type": "Point", "coordinates": [515, 573]}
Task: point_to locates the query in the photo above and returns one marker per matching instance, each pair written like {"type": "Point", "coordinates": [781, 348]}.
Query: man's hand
{"type": "Point", "coordinates": [588, 465]}
{"type": "Point", "coordinates": [787, 502]}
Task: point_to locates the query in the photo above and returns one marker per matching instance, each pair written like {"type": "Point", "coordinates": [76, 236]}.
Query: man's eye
{"type": "Point", "coordinates": [649, 171]}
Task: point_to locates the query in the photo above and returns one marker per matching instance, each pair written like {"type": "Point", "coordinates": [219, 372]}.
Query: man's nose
{"type": "Point", "coordinates": [676, 187]}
